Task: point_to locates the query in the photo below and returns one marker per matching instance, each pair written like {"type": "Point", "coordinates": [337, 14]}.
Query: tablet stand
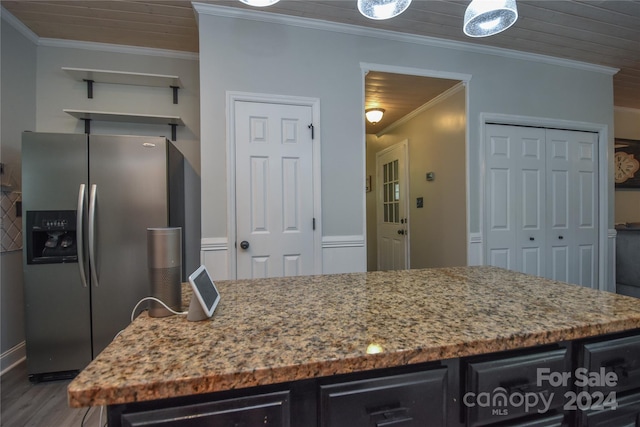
{"type": "Point", "coordinates": [196, 313]}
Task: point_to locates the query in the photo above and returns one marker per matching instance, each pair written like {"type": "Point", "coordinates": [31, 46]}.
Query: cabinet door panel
{"type": "Point", "coordinates": [620, 356]}
{"type": "Point", "coordinates": [270, 410]}
{"type": "Point", "coordinates": [627, 414]}
{"type": "Point", "coordinates": [409, 400]}
{"type": "Point", "coordinates": [553, 421]}
{"type": "Point", "coordinates": [500, 380]}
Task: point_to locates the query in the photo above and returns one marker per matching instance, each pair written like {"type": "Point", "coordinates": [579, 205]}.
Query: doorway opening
{"type": "Point", "coordinates": [428, 116]}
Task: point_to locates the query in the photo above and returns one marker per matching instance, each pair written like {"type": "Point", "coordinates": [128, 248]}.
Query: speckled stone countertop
{"type": "Point", "coordinates": [277, 330]}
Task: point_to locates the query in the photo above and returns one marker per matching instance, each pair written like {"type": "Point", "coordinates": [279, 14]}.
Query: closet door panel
{"type": "Point", "coordinates": [586, 227]}
{"type": "Point", "coordinates": [515, 201]}
{"type": "Point", "coordinates": [499, 192]}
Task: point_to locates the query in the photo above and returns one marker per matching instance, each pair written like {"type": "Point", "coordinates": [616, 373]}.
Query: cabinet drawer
{"type": "Point", "coordinates": [620, 356]}
{"type": "Point", "coordinates": [407, 400]}
{"type": "Point", "coordinates": [627, 414]}
{"type": "Point", "coordinates": [270, 410]}
{"type": "Point", "coordinates": [553, 421]}
{"type": "Point", "coordinates": [503, 389]}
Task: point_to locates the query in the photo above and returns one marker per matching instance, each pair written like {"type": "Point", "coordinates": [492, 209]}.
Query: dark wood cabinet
{"type": "Point", "coordinates": [270, 410]}
{"type": "Point", "coordinates": [610, 374]}
{"type": "Point", "coordinates": [409, 400]}
{"type": "Point", "coordinates": [557, 420]}
{"type": "Point", "coordinates": [508, 387]}
{"type": "Point", "coordinates": [619, 356]}
{"type": "Point", "coordinates": [627, 414]}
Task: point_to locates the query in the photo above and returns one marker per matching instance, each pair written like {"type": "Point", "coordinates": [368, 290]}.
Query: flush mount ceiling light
{"type": "Point", "coordinates": [382, 9]}
{"type": "Point", "coordinates": [488, 17]}
{"type": "Point", "coordinates": [260, 3]}
{"type": "Point", "coordinates": [374, 115]}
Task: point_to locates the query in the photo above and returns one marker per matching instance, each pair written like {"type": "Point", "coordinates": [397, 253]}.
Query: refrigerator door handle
{"type": "Point", "coordinates": [80, 236]}
{"type": "Point", "coordinates": [92, 233]}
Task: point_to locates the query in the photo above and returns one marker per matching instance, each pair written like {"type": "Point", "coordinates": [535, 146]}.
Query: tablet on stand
{"type": "Point", "coordinates": [205, 296]}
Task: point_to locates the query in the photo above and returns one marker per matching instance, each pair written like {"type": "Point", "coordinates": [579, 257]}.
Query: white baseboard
{"type": "Point", "coordinates": [12, 357]}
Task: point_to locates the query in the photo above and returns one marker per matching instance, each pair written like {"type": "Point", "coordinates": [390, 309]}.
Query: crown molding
{"type": "Point", "coordinates": [117, 48]}
{"type": "Point", "coordinates": [274, 18]}
{"type": "Point", "coordinates": [424, 107]}
{"type": "Point", "coordinates": [18, 25]}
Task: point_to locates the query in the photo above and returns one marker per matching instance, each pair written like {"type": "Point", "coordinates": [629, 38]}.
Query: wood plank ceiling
{"type": "Point", "coordinates": [603, 32]}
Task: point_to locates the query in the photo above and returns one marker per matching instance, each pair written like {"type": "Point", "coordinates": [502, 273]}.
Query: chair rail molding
{"type": "Point", "coordinates": [344, 254]}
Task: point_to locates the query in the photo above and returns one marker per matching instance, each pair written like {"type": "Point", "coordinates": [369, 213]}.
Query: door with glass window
{"type": "Point", "coordinates": [392, 208]}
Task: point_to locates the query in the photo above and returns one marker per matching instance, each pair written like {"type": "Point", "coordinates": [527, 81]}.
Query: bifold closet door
{"type": "Point", "coordinates": [515, 198]}
{"type": "Point", "coordinates": [541, 202]}
{"type": "Point", "coordinates": [572, 216]}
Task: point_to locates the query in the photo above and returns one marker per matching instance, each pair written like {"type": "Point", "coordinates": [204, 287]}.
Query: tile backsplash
{"type": "Point", "coordinates": [11, 223]}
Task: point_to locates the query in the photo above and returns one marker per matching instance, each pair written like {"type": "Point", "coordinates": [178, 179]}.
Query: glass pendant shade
{"type": "Point", "coordinates": [260, 3]}
{"type": "Point", "coordinates": [374, 115]}
{"type": "Point", "coordinates": [488, 17]}
{"type": "Point", "coordinates": [382, 9]}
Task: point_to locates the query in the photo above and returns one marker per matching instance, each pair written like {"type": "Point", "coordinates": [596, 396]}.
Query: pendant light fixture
{"type": "Point", "coordinates": [382, 9]}
{"type": "Point", "coordinates": [485, 18]}
{"type": "Point", "coordinates": [374, 115]}
{"type": "Point", "coordinates": [260, 3]}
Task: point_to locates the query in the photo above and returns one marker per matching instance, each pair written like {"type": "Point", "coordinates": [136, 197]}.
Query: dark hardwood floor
{"type": "Point", "coordinates": [44, 404]}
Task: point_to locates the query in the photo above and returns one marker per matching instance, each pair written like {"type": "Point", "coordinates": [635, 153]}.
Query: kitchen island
{"type": "Point", "coordinates": [301, 339]}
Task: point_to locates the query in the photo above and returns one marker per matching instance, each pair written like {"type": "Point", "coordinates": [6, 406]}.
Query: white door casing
{"type": "Point", "coordinates": [274, 190]}
{"type": "Point", "coordinates": [392, 210]}
{"type": "Point", "coordinates": [541, 201]}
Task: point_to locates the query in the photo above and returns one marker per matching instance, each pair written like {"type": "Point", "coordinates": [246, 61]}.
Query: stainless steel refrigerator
{"type": "Point", "coordinates": [87, 203]}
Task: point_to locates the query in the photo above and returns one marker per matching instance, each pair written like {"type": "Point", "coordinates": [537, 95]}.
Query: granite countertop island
{"type": "Point", "coordinates": [286, 329]}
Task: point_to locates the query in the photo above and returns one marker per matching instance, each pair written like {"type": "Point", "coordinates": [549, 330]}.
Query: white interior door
{"type": "Point", "coordinates": [572, 217]}
{"type": "Point", "coordinates": [274, 190]}
{"type": "Point", "coordinates": [515, 191]}
{"type": "Point", "coordinates": [392, 207]}
{"type": "Point", "coordinates": [541, 202]}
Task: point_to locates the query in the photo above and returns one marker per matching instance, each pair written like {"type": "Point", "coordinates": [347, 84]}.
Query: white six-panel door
{"type": "Point", "coordinates": [541, 202]}
{"type": "Point", "coordinates": [572, 220]}
{"type": "Point", "coordinates": [516, 203]}
{"type": "Point", "coordinates": [274, 190]}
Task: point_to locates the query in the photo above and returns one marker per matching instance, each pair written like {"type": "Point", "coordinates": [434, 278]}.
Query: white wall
{"type": "Point", "coordinates": [627, 201]}
{"type": "Point", "coordinates": [306, 60]}
{"type": "Point", "coordinates": [58, 91]}
{"type": "Point", "coordinates": [17, 112]}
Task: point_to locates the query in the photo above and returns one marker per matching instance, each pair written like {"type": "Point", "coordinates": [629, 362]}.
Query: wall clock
{"type": "Point", "coordinates": [626, 163]}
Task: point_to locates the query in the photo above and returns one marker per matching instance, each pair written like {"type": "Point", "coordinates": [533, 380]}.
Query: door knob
{"type": "Point", "coordinates": [532, 239]}
{"type": "Point", "coordinates": [400, 231]}
{"type": "Point", "coordinates": [560, 237]}
{"type": "Point", "coordinates": [244, 244]}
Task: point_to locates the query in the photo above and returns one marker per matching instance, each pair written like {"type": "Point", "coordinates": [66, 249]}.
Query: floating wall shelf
{"type": "Point", "coordinates": [92, 76]}
{"type": "Point", "coordinates": [106, 116]}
